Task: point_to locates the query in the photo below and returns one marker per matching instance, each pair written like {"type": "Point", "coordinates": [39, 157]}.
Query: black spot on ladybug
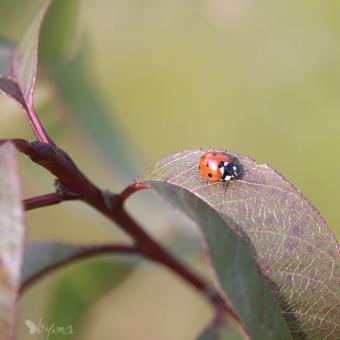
{"type": "Point", "coordinates": [199, 167]}
{"type": "Point", "coordinates": [209, 174]}
{"type": "Point", "coordinates": [214, 154]}
{"type": "Point", "coordinates": [207, 164]}
{"type": "Point", "coordinates": [220, 164]}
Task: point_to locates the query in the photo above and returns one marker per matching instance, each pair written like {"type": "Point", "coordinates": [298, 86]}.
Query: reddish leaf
{"type": "Point", "coordinates": [18, 70]}
{"type": "Point", "coordinates": [7, 83]}
{"type": "Point", "coordinates": [11, 88]}
{"type": "Point", "coordinates": [294, 248]}
{"type": "Point", "coordinates": [25, 58]}
{"type": "Point", "coordinates": [11, 240]}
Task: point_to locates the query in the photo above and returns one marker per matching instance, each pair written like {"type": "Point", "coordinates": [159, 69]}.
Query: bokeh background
{"type": "Point", "coordinates": [124, 83]}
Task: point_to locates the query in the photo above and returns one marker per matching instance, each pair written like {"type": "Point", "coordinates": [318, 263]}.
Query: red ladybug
{"type": "Point", "coordinates": [218, 166]}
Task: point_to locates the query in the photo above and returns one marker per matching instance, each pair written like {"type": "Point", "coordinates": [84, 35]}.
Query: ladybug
{"type": "Point", "coordinates": [218, 166]}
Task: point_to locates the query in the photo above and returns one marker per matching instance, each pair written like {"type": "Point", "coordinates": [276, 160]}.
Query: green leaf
{"type": "Point", "coordinates": [44, 256]}
{"type": "Point", "coordinates": [237, 271]}
{"type": "Point", "coordinates": [81, 285]}
{"type": "Point", "coordinates": [58, 27]}
{"type": "Point", "coordinates": [41, 256]}
{"type": "Point", "coordinates": [78, 90]}
{"type": "Point", "coordinates": [224, 332]}
{"type": "Point", "coordinates": [77, 86]}
{"type": "Point", "coordinates": [12, 234]}
{"type": "Point", "coordinates": [296, 253]}
{"type": "Point", "coordinates": [78, 285]}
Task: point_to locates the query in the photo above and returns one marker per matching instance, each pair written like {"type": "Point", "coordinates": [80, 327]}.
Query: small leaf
{"type": "Point", "coordinates": [18, 64]}
{"type": "Point", "coordinates": [18, 70]}
{"type": "Point", "coordinates": [11, 239]}
{"type": "Point", "coordinates": [7, 83]}
{"type": "Point", "coordinates": [81, 285]}
{"type": "Point", "coordinates": [78, 286]}
{"type": "Point", "coordinates": [292, 245]}
{"type": "Point", "coordinates": [12, 89]}
{"type": "Point", "coordinates": [25, 59]}
{"type": "Point", "coordinates": [41, 256]}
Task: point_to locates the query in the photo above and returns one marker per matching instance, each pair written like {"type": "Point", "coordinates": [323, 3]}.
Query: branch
{"type": "Point", "coordinates": [84, 252]}
{"type": "Point", "coordinates": [58, 163]}
{"type": "Point", "coordinates": [61, 165]}
{"type": "Point", "coordinates": [42, 201]}
{"type": "Point", "coordinates": [62, 194]}
{"type": "Point", "coordinates": [129, 190]}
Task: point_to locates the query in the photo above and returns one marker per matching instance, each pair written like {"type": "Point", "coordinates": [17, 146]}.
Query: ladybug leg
{"type": "Point", "coordinates": [226, 179]}
{"type": "Point", "coordinates": [226, 183]}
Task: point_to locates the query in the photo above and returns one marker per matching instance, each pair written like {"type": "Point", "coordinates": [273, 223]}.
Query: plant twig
{"type": "Point", "coordinates": [83, 253]}
{"type": "Point", "coordinates": [42, 201]}
{"type": "Point", "coordinates": [61, 194]}
{"type": "Point", "coordinates": [129, 190]}
{"type": "Point", "coordinates": [61, 165]}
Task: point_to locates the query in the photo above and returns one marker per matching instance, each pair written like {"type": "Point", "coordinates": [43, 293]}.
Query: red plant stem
{"type": "Point", "coordinates": [83, 253]}
{"type": "Point", "coordinates": [61, 165]}
{"type": "Point", "coordinates": [42, 201]}
{"type": "Point", "coordinates": [37, 127]}
{"type": "Point", "coordinates": [129, 190]}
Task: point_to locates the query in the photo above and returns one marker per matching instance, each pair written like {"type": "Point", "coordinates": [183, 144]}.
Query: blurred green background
{"type": "Point", "coordinates": [261, 78]}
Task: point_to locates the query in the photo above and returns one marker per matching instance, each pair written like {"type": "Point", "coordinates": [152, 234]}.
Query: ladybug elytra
{"type": "Point", "coordinates": [218, 166]}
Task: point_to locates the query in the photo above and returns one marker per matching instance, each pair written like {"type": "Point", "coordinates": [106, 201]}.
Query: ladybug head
{"type": "Point", "coordinates": [231, 171]}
